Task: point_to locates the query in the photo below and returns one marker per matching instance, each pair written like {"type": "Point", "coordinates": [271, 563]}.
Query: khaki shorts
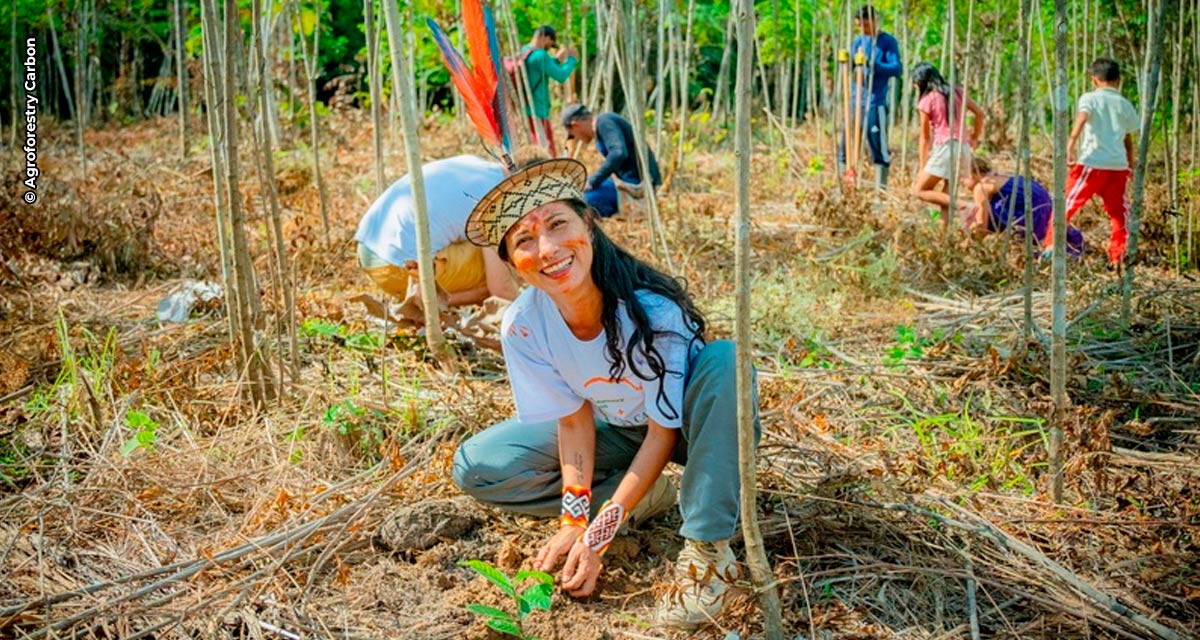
{"type": "Point", "coordinates": [939, 159]}
{"type": "Point", "coordinates": [458, 267]}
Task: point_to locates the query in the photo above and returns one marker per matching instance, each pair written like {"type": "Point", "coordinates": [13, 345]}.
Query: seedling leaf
{"type": "Point", "coordinates": [490, 612]}
{"type": "Point", "coordinates": [540, 576]}
{"type": "Point", "coordinates": [505, 626]}
{"type": "Point", "coordinates": [492, 574]}
{"type": "Point", "coordinates": [538, 596]}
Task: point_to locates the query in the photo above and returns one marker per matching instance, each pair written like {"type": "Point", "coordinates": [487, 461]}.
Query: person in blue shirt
{"type": "Point", "coordinates": [882, 55]}
{"type": "Point", "coordinates": [614, 140]}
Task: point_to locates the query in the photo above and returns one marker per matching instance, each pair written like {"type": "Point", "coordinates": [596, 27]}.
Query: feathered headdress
{"type": "Point", "coordinates": [482, 83]}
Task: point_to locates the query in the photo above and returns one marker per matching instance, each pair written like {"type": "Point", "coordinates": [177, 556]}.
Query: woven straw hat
{"type": "Point", "coordinates": [522, 192]}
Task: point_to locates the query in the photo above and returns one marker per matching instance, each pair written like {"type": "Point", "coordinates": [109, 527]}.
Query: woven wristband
{"type": "Point", "coordinates": [603, 529]}
{"type": "Point", "coordinates": [576, 505]}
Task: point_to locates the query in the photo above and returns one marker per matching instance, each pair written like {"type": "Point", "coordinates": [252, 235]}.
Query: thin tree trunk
{"type": "Point", "coordinates": [266, 166]}
{"type": "Point", "coordinates": [1025, 24]}
{"type": "Point", "coordinates": [756, 553]}
{"type": "Point", "coordinates": [722, 88]}
{"type": "Point", "coordinates": [1139, 172]}
{"type": "Point", "coordinates": [182, 76]}
{"type": "Point", "coordinates": [373, 81]}
{"type": "Point", "coordinates": [630, 69]}
{"type": "Point", "coordinates": [434, 338]}
{"type": "Point", "coordinates": [1195, 125]}
{"type": "Point", "coordinates": [683, 89]}
{"type": "Point", "coordinates": [247, 287]}
{"type": "Point", "coordinates": [1173, 157]}
{"type": "Point", "coordinates": [62, 70]}
{"type": "Point", "coordinates": [16, 84]}
{"type": "Point", "coordinates": [310, 69]}
{"type": "Point", "coordinates": [1058, 345]}
{"type": "Point", "coordinates": [584, 38]}
{"type": "Point", "coordinates": [659, 87]}
{"type": "Point", "coordinates": [211, 51]}
{"type": "Point", "coordinates": [797, 89]}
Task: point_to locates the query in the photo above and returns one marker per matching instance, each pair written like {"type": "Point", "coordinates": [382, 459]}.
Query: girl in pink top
{"type": "Point", "coordinates": [937, 158]}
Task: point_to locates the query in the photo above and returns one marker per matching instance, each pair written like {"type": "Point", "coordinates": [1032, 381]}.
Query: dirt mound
{"type": "Point", "coordinates": [423, 525]}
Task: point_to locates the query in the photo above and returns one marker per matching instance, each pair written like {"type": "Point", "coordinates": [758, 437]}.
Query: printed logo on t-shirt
{"type": "Point", "coordinates": [621, 409]}
{"type": "Point", "coordinates": [516, 329]}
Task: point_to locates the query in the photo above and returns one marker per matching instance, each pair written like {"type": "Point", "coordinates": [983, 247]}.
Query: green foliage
{"type": "Point", "coordinates": [525, 600]}
{"type": "Point", "coordinates": [145, 432]}
{"type": "Point", "coordinates": [362, 427]}
{"type": "Point", "coordinates": [908, 346]}
{"type": "Point", "coordinates": [339, 334]}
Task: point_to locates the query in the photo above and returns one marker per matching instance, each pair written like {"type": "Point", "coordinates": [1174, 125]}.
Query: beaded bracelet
{"type": "Point", "coordinates": [576, 505]}
{"type": "Point", "coordinates": [603, 529]}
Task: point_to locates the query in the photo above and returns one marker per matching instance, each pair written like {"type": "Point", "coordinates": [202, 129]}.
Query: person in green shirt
{"type": "Point", "coordinates": [541, 67]}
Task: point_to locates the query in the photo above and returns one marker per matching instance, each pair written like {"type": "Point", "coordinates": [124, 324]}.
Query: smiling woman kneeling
{"type": "Point", "coordinates": [612, 380]}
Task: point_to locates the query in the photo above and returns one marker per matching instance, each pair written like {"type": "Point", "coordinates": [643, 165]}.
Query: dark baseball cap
{"type": "Point", "coordinates": [571, 113]}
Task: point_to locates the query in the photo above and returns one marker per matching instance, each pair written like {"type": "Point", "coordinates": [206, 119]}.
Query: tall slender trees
{"type": "Point", "coordinates": [221, 43]}
{"type": "Point", "coordinates": [630, 68]}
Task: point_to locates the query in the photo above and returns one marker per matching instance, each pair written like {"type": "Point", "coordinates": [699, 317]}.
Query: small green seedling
{"type": "Point", "coordinates": [145, 432]}
{"type": "Point", "coordinates": [534, 597]}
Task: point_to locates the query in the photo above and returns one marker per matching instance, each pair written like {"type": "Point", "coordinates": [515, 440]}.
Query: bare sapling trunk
{"type": "Point", "coordinates": [722, 87]}
{"type": "Point", "coordinates": [756, 552]}
{"type": "Point", "coordinates": [13, 74]}
{"type": "Point", "coordinates": [257, 373]}
{"type": "Point", "coordinates": [181, 88]}
{"type": "Point", "coordinates": [660, 93]}
{"type": "Point", "coordinates": [376, 92]}
{"type": "Point", "coordinates": [952, 115]}
{"type": "Point", "coordinates": [310, 70]}
{"type": "Point", "coordinates": [212, 36]}
{"type": "Point", "coordinates": [221, 42]}
{"type": "Point", "coordinates": [62, 72]}
{"type": "Point", "coordinates": [434, 338]}
{"type": "Point", "coordinates": [630, 69]}
{"type": "Point", "coordinates": [1024, 24]}
{"type": "Point", "coordinates": [683, 89]}
{"type": "Point", "coordinates": [1058, 344]}
{"type": "Point", "coordinates": [1173, 158]}
{"type": "Point", "coordinates": [1154, 52]}
{"type": "Point", "coordinates": [81, 70]}
{"type": "Point", "coordinates": [286, 313]}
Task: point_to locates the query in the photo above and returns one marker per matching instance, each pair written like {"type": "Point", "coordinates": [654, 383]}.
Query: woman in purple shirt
{"type": "Point", "coordinates": [1000, 204]}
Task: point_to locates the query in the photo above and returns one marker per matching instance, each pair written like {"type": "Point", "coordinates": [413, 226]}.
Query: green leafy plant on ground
{"type": "Point", "coordinates": [145, 432]}
{"type": "Point", "coordinates": [536, 596]}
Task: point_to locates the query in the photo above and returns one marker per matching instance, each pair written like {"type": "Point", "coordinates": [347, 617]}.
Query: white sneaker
{"type": "Point", "coordinates": [661, 498]}
{"type": "Point", "coordinates": [702, 576]}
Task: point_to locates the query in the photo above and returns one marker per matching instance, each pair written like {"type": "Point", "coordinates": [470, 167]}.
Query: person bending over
{"type": "Point", "coordinates": [615, 142]}
{"type": "Point", "coordinates": [387, 235]}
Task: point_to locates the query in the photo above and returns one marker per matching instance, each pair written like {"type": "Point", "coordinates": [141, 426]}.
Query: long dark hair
{"type": "Point", "coordinates": [927, 79]}
{"type": "Point", "coordinates": [619, 276]}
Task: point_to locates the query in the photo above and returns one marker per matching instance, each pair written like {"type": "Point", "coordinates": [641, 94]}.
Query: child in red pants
{"type": "Point", "coordinates": [1102, 166]}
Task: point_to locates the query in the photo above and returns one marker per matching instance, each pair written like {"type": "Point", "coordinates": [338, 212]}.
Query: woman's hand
{"type": "Point", "coordinates": [559, 544]}
{"type": "Point", "coordinates": [581, 571]}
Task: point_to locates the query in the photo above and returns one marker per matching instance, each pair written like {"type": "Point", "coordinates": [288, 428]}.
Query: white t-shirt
{"type": "Point", "coordinates": [452, 188]}
{"type": "Point", "coordinates": [1110, 117]}
{"type": "Point", "coordinates": [552, 372]}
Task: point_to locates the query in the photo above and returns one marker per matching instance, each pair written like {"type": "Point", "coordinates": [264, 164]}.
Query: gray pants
{"type": "Point", "coordinates": [514, 465]}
